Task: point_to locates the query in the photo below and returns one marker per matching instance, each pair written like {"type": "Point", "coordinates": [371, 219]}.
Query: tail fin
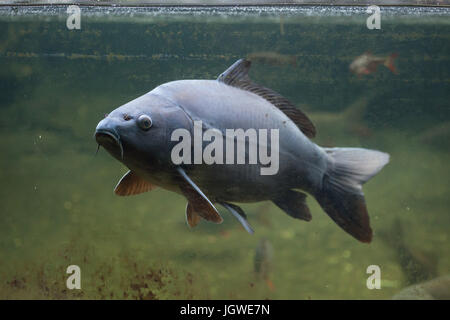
{"type": "Point", "coordinates": [341, 194]}
{"type": "Point", "coordinates": [389, 63]}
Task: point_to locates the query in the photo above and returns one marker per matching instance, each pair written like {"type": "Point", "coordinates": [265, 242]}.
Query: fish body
{"type": "Point", "coordinates": [220, 106]}
{"type": "Point", "coordinates": [273, 58]}
{"type": "Point", "coordinates": [367, 63]}
{"type": "Point", "coordinates": [140, 135]}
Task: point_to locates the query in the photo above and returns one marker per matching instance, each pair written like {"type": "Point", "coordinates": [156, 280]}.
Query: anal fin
{"type": "Point", "coordinates": [131, 184]}
{"type": "Point", "coordinates": [294, 204]}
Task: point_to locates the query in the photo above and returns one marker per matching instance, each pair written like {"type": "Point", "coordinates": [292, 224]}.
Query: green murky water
{"type": "Point", "coordinates": [57, 207]}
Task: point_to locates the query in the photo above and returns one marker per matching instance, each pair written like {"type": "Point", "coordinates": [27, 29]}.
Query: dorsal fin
{"type": "Point", "coordinates": [131, 184]}
{"type": "Point", "coordinates": [237, 76]}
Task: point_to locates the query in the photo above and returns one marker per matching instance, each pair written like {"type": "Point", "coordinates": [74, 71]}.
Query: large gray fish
{"type": "Point", "coordinates": [139, 135]}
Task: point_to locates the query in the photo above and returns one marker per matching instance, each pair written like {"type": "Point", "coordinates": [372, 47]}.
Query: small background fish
{"type": "Point", "coordinates": [263, 262]}
{"type": "Point", "coordinates": [272, 58]}
{"type": "Point", "coordinates": [367, 63]}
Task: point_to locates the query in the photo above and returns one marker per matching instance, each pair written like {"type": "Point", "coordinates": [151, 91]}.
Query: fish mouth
{"type": "Point", "coordinates": [110, 140]}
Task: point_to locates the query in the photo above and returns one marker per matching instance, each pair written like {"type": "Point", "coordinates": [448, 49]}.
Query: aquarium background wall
{"type": "Point", "coordinates": [57, 206]}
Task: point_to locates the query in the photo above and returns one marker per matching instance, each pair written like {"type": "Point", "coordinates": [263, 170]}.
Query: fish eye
{"type": "Point", "coordinates": [144, 122]}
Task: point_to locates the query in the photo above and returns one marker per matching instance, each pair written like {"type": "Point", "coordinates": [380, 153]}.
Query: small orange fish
{"type": "Point", "coordinates": [368, 63]}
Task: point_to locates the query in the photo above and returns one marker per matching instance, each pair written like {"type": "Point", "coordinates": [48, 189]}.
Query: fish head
{"type": "Point", "coordinates": [357, 65]}
{"type": "Point", "coordinates": [360, 63]}
{"type": "Point", "coordinates": [138, 133]}
{"type": "Point", "coordinates": [353, 67]}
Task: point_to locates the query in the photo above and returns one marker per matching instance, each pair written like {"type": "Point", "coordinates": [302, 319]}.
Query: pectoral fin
{"type": "Point", "coordinates": [192, 217]}
{"type": "Point", "coordinates": [239, 214]}
{"type": "Point", "coordinates": [131, 184]}
{"type": "Point", "coordinates": [197, 199]}
{"type": "Point", "coordinates": [294, 204]}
